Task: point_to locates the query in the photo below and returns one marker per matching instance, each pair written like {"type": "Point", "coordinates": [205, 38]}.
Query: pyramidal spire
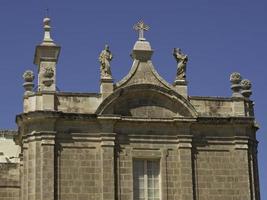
{"type": "Point", "coordinates": [47, 35]}
{"type": "Point", "coordinates": [46, 57]}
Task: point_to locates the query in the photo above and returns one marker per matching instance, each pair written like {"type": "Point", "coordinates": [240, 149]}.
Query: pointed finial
{"type": "Point", "coordinates": [47, 28]}
{"type": "Point", "coordinates": [141, 27]}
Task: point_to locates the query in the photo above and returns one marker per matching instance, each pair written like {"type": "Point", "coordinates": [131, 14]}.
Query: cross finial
{"type": "Point", "coordinates": [141, 27]}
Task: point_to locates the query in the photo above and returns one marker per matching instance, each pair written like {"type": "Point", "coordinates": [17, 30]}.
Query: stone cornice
{"type": "Point", "coordinates": [225, 120]}
{"type": "Point", "coordinates": [217, 98]}
{"type": "Point", "coordinates": [72, 94]}
{"type": "Point", "coordinates": [47, 137]}
{"type": "Point", "coordinates": [39, 115]}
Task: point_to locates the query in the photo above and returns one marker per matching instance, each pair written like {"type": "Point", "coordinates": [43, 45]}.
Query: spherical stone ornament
{"type": "Point", "coordinates": [235, 78]}
{"type": "Point", "coordinates": [28, 76]}
{"type": "Point", "coordinates": [246, 84]}
{"type": "Point", "coordinates": [46, 21]}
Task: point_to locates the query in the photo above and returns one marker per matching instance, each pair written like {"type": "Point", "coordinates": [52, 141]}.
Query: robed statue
{"type": "Point", "coordinates": [181, 63]}
{"type": "Point", "coordinates": [105, 58]}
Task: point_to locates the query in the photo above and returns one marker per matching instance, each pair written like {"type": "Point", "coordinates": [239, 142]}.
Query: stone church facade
{"type": "Point", "coordinates": [138, 139]}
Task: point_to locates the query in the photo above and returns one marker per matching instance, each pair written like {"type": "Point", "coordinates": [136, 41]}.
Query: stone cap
{"type": "Point", "coordinates": [142, 51]}
{"type": "Point", "coordinates": [47, 50]}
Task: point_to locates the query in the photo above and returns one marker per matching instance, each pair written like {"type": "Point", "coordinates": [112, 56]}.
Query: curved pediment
{"type": "Point", "coordinates": [146, 101]}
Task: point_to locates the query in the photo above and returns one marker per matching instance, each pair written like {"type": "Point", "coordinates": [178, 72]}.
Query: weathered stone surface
{"type": "Point", "coordinates": [80, 146]}
{"type": "Point", "coordinates": [9, 181]}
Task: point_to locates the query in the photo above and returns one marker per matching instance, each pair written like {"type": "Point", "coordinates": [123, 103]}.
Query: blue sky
{"type": "Point", "coordinates": [220, 37]}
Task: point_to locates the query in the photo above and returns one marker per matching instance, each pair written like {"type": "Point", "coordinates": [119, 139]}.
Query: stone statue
{"type": "Point", "coordinates": [104, 58]}
{"type": "Point", "coordinates": [181, 63]}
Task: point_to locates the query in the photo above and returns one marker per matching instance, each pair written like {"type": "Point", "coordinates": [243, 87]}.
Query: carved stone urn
{"type": "Point", "coordinates": [28, 76]}
{"type": "Point", "coordinates": [48, 75]}
{"type": "Point", "coordinates": [246, 88]}
{"type": "Point", "coordinates": [235, 79]}
{"type": "Point", "coordinates": [28, 85]}
{"type": "Point", "coordinates": [49, 72]}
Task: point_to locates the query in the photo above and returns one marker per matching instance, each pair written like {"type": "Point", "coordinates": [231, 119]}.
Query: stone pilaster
{"type": "Point", "coordinates": [48, 166]}
{"type": "Point", "coordinates": [108, 158]}
{"type": "Point", "coordinates": [31, 168]}
{"type": "Point", "coordinates": [24, 177]}
{"type": "Point", "coordinates": [37, 179]}
{"type": "Point", "coordinates": [253, 165]}
{"type": "Point", "coordinates": [125, 173]}
{"type": "Point", "coordinates": [186, 168]}
{"type": "Point", "coordinates": [21, 168]}
{"type": "Point", "coordinates": [243, 169]}
{"type": "Point", "coordinates": [164, 174]}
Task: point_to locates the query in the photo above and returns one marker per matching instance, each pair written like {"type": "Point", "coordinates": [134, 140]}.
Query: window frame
{"type": "Point", "coordinates": [145, 175]}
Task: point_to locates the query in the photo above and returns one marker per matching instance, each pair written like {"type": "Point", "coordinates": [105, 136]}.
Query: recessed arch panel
{"type": "Point", "coordinates": [146, 101]}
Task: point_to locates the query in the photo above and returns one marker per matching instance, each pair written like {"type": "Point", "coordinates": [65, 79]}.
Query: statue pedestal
{"type": "Point", "coordinates": [181, 87]}
{"type": "Point", "coordinates": [106, 87]}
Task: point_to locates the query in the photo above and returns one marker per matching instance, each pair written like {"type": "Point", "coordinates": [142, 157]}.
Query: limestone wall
{"type": "Point", "coordinates": [64, 102]}
{"type": "Point", "coordinates": [9, 151]}
{"type": "Point", "coordinates": [222, 107]}
{"type": "Point", "coordinates": [222, 174]}
{"type": "Point", "coordinates": [75, 103]}
{"type": "Point", "coordinates": [83, 157]}
{"type": "Point", "coordinates": [79, 173]}
{"type": "Point", "coordinates": [9, 181]}
{"type": "Point", "coordinates": [9, 166]}
{"type": "Point", "coordinates": [219, 172]}
{"type": "Point", "coordinates": [88, 103]}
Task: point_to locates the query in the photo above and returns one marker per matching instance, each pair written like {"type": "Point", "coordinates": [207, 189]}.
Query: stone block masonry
{"type": "Point", "coordinates": [138, 138]}
{"type": "Point", "coordinates": [9, 181]}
